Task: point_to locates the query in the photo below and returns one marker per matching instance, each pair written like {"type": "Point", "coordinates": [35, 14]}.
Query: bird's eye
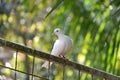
{"type": "Point", "coordinates": [57, 31]}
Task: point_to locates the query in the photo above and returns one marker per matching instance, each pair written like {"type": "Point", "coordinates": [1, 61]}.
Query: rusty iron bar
{"type": "Point", "coordinates": [46, 56]}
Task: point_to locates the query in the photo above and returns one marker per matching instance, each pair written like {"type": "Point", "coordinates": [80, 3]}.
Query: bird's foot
{"type": "Point", "coordinates": [63, 57]}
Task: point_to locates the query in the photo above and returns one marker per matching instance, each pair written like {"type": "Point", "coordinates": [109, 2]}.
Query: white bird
{"type": "Point", "coordinates": [61, 46]}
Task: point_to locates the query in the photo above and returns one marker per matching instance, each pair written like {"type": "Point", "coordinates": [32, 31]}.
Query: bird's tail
{"type": "Point", "coordinates": [47, 64]}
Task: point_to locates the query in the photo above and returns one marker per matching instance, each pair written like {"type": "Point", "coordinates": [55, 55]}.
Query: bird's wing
{"type": "Point", "coordinates": [58, 48]}
{"type": "Point", "coordinates": [67, 45]}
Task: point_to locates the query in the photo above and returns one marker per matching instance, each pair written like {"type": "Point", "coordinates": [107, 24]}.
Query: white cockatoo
{"type": "Point", "coordinates": [61, 46]}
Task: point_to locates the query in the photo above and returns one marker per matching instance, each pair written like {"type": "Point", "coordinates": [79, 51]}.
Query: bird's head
{"type": "Point", "coordinates": [58, 31]}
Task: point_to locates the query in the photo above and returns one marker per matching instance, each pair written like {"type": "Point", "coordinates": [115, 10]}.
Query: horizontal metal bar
{"type": "Point", "coordinates": [46, 56]}
{"type": "Point", "coordinates": [24, 72]}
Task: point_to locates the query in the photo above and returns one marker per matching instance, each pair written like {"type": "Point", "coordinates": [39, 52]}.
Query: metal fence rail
{"type": "Point", "coordinates": [45, 56]}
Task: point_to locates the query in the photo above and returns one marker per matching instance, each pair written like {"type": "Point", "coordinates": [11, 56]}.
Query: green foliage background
{"type": "Point", "coordinates": [94, 26]}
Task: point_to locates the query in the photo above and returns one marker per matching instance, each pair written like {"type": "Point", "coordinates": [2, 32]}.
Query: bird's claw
{"type": "Point", "coordinates": [63, 57]}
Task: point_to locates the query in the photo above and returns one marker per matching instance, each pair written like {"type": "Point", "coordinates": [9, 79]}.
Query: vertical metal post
{"type": "Point", "coordinates": [33, 64]}
{"type": "Point", "coordinates": [79, 75]}
{"type": "Point", "coordinates": [63, 72]}
{"type": "Point", "coordinates": [48, 69]}
{"type": "Point", "coordinates": [16, 65]}
{"type": "Point", "coordinates": [92, 77]}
